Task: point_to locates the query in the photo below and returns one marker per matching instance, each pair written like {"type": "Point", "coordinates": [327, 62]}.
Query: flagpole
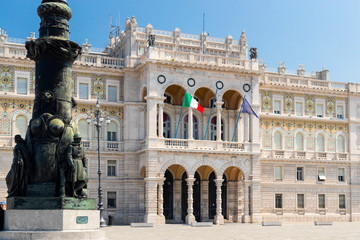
{"type": "Point", "coordinates": [211, 113]}
{"type": "Point", "coordinates": [237, 121]}
{"type": "Point", "coordinates": [177, 128]}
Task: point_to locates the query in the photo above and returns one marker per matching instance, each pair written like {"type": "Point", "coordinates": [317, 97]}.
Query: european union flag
{"type": "Point", "coordinates": [247, 108]}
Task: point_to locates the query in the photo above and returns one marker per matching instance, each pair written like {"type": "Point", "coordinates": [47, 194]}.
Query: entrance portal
{"type": "Point", "coordinates": [168, 195]}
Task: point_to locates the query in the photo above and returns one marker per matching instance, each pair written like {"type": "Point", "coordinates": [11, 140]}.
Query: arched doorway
{"type": "Point", "coordinates": [197, 197]}
{"type": "Point", "coordinates": [184, 196]}
{"type": "Point", "coordinates": [168, 195]}
{"type": "Point", "coordinates": [212, 196]}
{"type": "Point", "coordinates": [224, 197]}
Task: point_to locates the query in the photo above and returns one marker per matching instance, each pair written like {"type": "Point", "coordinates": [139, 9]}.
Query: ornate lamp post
{"type": "Point", "coordinates": [98, 117]}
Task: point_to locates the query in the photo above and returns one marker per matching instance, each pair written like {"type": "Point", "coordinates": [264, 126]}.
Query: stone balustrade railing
{"type": "Point", "coordinates": [306, 155]}
{"type": "Point", "coordinates": [189, 57]}
{"type": "Point", "coordinates": [309, 82]}
{"type": "Point", "coordinates": [104, 145]}
{"type": "Point", "coordinates": [18, 50]}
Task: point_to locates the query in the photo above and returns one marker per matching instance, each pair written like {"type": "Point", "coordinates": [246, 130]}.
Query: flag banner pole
{"type": "Point", "coordinates": [207, 127]}
{"type": "Point", "coordinates": [237, 121]}
{"type": "Point", "coordinates": [177, 128]}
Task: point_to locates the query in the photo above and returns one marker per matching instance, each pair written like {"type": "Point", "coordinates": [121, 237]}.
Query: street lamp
{"type": "Point", "coordinates": [98, 117]}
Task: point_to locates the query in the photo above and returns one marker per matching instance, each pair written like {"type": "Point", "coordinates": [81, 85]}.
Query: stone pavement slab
{"type": "Point", "coordinates": [232, 231]}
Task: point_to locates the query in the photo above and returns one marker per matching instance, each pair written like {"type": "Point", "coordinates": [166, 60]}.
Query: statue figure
{"type": "Point", "coordinates": [151, 40]}
{"type": "Point", "coordinates": [76, 176]}
{"type": "Point", "coordinates": [253, 53]}
{"type": "Point", "coordinates": [16, 178]}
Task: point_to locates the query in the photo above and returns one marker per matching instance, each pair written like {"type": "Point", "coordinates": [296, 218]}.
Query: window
{"type": "Point", "coordinates": [341, 175]}
{"type": "Point", "coordinates": [213, 129]}
{"type": "Point", "coordinates": [112, 93]}
{"type": "Point", "coordinates": [320, 143]}
{"type": "Point", "coordinates": [83, 90]}
{"type": "Point", "coordinates": [277, 107]}
{"type": "Point", "coordinates": [320, 110]}
{"type": "Point", "coordinates": [166, 126]}
{"type": "Point", "coordinates": [321, 198]}
{"type": "Point", "coordinates": [321, 174]}
{"type": "Point", "coordinates": [83, 129]}
{"type": "Point", "coordinates": [300, 173]}
{"type": "Point", "coordinates": [195, 127]}
{"type": "Point", "coordinates": [112, 131]}
{"type": "Point", "coordinates": [340, 144]}
{"type": "Point", "coordinates": [299, 109]}
{"type": "Point", "coordinates": [278, 201]}
{"type": "Point", "coordinates": [342, 201]}
{"type": "Point", "coordinates": [21, 125]}
{"type": "Point", "coordinates": [111, 199]}
{"type": "Point", "coordinates": [111, 167]}
{"type": "Point", "coordinates": [21, 86]}
{"type": "Point", "coordinates": [299, 142]}
{"type": "Point", "coordinates": [300, 201]}
{"type": "Point", "coordinates": [278, 172]}
{"type": "Point", "coordinates": [277, 141]}
{"type": "Point", "coordinates": [339, 112]}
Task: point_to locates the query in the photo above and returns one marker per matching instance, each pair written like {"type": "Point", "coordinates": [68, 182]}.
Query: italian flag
{"type": "Point", "coordinates": [189, 101]}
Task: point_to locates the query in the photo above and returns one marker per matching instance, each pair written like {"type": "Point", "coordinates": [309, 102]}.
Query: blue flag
{"type": "Point", "coordinates": [246, 108]}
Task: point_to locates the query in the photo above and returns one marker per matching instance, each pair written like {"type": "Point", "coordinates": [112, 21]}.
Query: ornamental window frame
{"type": "Point", "coordinates": [279, 98]}
{"type": "Point", "coordinates": [322, 103]}
{"type": "Point", "coordinates": [302, 101]}
{"type": "Point", "coordinates": [341, 104]}
{"type": "Point", "coordinates": [22, 75]}
{"type": "Point", "coordinates": [83, 80]}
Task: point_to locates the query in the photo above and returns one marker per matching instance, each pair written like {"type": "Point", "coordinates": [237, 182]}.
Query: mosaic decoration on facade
{"type": "Point", "coordinates": [310, 127]}
{"type": "Point", "coordinates": [289, 103]}
{"type": "Point", "coordinates": [266, 105]}
{"type": "Point", "coordinates": [330, 106]}
{"type": "Point", "coordinates": [309, 105]}
{"type": "Point", "coordinates": [6, 78]}
{"type": "Point", "coordinates": [98, 84]}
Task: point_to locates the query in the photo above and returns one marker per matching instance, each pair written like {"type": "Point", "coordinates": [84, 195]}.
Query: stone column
{"type": "Point", "coordinates": [218, 120]}
{"type": "Point", "coordinates": [177, 197]}
{"type": "Point", "coordinates": [190, 124]}
{"type": "Point", "coordinates": [232, 200]}
{"type": "Point", "coordinates": [151, 116]}
{"type": "Point", "coordinates": [204, 200]}
{"type": "Point", "coordinates": [190, 218]}
{"type": "Point", "coordinates": [151, 201]}
{"type": "Point", "coordinates": [246, 216]}
{"type": "Point", "coordinates": [161, 119]}
{"type": "Point", "coordinates": [239, 201]}
{"type": "Point", "coordinates": [219, 218]}
{"type": "Point", "coordinates": [246, 127]}
{"type": "Point", "coordinates": [161, 217]}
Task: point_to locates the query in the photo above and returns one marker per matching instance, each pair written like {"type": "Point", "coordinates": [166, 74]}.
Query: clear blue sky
{"type": "Point", "coordinates": [314, 33]}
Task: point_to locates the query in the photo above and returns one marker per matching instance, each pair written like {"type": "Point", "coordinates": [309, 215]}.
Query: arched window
{"type": "Point", "coordinates": [299, 142]}
{"type": "Point", "coordinates": [213, 133]}
{"type": "Point", "coordinates": [320, 143]}
{"type": "Point", "coordinates": [83, 129]}
{"type": "Point", "coordinates": [21, 125]}
{"type": "Point", "coordinates": [277, 141]}
{"type": "Point", "coordinates": [195, 127]}
{"type": "Point", "coordinates": [166, 126]}
{"type": "Point", "coordinates": [112, 131]}
{"type": "Point", "coordinates": [340, 144]}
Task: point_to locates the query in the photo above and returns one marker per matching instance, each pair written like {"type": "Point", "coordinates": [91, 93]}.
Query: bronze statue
{"type": "Point", "coordinates": [76, 174]}
{"type": "Point", "coordinates": [17, 176]}
{"type": "Point", "coordinates": [253, 53]}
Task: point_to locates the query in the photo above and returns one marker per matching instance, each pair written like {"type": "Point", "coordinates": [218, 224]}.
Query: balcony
{"type": "Point", "coordinates": [305, 155]}
{"type": "Point", "coordinates": [104, 145]}
{"type": "Point", "coordinates": [196, 145]}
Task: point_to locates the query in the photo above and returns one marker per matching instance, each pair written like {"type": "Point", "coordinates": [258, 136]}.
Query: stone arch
{"type": "Point", "coordinates": [244, 166]}
{"type": "Point", "coordinates": [203, 163]}
{"type": "Point", "coordinates": [177, 93]}
{"type": "Point", "coordinates": [344, 135]}
{"type": "Point", "coordinates": [169, 163]}
{"type": "Point", "coordinates": [16, 114]}
{"type": "Point", "coordinates": [302, 131]}
{"type": "Point", "coordinates": [143, 93]}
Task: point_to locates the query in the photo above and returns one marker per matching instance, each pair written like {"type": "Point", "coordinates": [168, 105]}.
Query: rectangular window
{"type": "Point", "coordinates": [321, 200]}
{"type": "Point", "coordinates": [112, 93]}
{"type": "Point", "coordinates": [340, 112]}
{"type": "Point", "coordinates": [278, 173]}
{"type": "Point", "coordinates": [111, 136]}
{"type": "Point", "coordinates": [111, 166]}
{"type": "Point", "coordinates": [341, 176]}
{"type": "Point", "coordinates": [111, 199]}
{"type": "Point", "coordinates": [320, 110]}
{"type": "Point", "coordinates": [277, 107]}
{"type": "Point", "coordinates": [300, 173]}
{"type": "Point", "coordinates": [21, 86]}
{"type": "Point", "coordinates": [342, 201]}
{"type": "Point", "coordinates": [278, 201]}
{"type": "Point", "coordinates": [300, 201]}
{"type": "Point", "coordinates": [299, 109]}
{"type": "Point", "coordinates": [321, 174]}
{"type": "Point", "coordinates": [83, 91]}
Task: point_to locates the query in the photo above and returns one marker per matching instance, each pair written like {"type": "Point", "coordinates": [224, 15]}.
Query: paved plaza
{"type": "Point", "coordinates": [303, 231]}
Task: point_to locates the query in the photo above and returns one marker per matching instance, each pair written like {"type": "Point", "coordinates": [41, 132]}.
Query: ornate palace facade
{"type": "Point", "coordinates": [298, 162]}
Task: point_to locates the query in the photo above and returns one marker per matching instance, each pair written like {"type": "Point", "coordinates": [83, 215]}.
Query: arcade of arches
{"type": "Point", "coordinates": [203, 196]}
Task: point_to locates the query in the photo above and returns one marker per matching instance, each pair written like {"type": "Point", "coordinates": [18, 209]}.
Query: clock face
{"type": "Point", "coordinates": [161, 79]}
{"type": "Point", "coordinates": [246, 87]}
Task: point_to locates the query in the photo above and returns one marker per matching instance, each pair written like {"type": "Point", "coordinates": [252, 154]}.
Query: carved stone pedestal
{"type": "Point", "coordinates": [52, 224]}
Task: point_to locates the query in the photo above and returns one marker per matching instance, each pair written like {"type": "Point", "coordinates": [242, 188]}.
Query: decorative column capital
{"type": "Point", "coordinates": [190, 181]}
